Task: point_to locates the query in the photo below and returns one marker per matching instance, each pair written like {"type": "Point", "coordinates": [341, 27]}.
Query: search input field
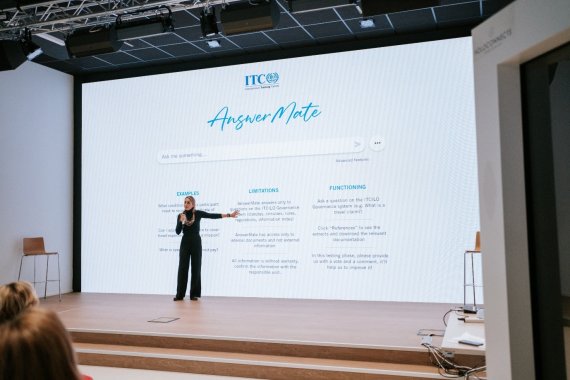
{"type": "Point", "coordinates": [270, 150]}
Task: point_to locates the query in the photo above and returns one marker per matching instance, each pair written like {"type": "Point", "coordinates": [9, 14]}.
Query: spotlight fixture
{"type": "Point", "coordinates": [297, 6]}
{"type": "Point", "coordinates": [93, 41]}
{"type": "Point", "coordinates": [208, 22]}
{"type": "Point", "coordinates": [51, 45]}
{"type": "Point", "coordinates": [50, 38]}
{"type": "Point", "coordinates": [144, 27]}
{"type": "Point", "coordinates": [249, 16]}
{"type": "Point", "coordinates": [375, 7]}
{"type": "Point", "coordinates": [30, 48]}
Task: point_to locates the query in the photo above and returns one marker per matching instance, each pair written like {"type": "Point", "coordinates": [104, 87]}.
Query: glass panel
{"type": "Point", "coordinates": [560, 119]}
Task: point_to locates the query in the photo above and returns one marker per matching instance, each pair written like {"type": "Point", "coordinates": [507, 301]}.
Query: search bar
{"type": "Point", "coordinates": [270, 150]}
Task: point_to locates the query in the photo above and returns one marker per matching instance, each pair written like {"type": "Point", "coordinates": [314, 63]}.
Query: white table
{"type": "Point", "coordinates": [458, 329]}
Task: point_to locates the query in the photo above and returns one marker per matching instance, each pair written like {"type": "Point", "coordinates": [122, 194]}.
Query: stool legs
{"type": "Point", "coordinates": [47, 273]}
{"type": "Point", "coordinates": [47, 270]}
{"type": "Point", "coordinates": [58, 278]}
{"type": "Point", "coordinates": [465, 279]}
{"type": "Point", "coordinates": [20, 272]}
{"type": "Point", "coordinates": [473, 281]}
{"type": "Point", "coordinates": [465, 283]}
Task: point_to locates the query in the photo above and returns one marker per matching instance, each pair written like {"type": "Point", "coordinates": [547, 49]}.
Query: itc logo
{"type": "Point", "coordinates": [261, 80]}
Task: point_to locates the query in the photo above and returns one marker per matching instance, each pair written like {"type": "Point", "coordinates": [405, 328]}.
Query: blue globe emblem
{"type": "Point", "coordinates": [272, 77]}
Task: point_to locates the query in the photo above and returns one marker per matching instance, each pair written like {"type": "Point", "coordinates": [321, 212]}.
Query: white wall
{"type": "Point", "coordinates": [36, 169]}
{"type": "Point", "coordinates": [523, 30]}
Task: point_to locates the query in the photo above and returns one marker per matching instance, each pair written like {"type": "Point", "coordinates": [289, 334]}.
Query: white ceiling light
{"type": "Point", "coordinates": [213, 44]}
{"type": "Point", "coordinates": [367, 23]}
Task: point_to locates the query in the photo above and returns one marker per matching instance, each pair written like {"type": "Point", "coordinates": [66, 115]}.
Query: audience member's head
{"type": "Point", "coordinates": [15, 298]}
{"type": "Point", "coordinates": [36, 345]}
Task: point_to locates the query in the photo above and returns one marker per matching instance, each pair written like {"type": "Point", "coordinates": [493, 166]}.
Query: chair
{"type": "Point", "coordinates": [34, 247]}
{"type": "Point", "coordinates": [470, 253]}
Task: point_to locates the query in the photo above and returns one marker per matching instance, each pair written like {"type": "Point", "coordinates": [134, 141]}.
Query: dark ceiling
{"type": "Point", "coordinates": [325, 29]}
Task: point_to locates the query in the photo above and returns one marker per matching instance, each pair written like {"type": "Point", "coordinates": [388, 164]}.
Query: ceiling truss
{"type": "Point", "coordinates": [65, 16]}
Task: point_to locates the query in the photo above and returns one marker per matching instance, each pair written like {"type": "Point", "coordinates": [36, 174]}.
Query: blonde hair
{"type": "Point", "coordinates": [16, 297]}
{"type": "Point", "coordinates": [192, 199]}
{"type": "Point", "coordinates": [36, 345]}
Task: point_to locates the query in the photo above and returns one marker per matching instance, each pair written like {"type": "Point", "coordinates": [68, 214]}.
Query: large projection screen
{"type": "Point", "coordinates": [355, 174]}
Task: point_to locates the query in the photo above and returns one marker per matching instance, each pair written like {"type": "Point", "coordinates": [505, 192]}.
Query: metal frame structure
{"type": "Point", "coordinates": [66, 15]}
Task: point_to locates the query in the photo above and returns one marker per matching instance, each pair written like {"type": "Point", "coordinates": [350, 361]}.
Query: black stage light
{"type": "Point", "coordinates": [375, 7]}
{"type": "Point", "coordinates": [12, 55]}
{"type": "Point", "coordinates": [51, 45]}
{"type": "Point", "coordinates": [249, 16]}
{"type": "Point", "coordinates": [15, 52]}
{"type": "Point", "coordinates": [31, 49]}
{"type": "Point", "coordinates": [144, 27]}
{"type": "Point", "coordinates": [93, 41]}
{"type": "Point", "coordinates": [208, 22]}
{"type": "Point", "coordinates": [311, 5]}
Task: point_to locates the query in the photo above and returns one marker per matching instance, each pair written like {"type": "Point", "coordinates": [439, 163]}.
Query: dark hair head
{"type": "Point", "coordinates": [16, 297]}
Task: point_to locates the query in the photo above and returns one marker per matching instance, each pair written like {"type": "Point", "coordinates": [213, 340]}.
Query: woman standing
{"type": "Point", "coordinates": [188, 222]}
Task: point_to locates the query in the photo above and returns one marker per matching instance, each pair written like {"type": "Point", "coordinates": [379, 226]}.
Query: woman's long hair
{"type": "Point", "coordinates": [191, 221]}
{"type": "Point", "coordinates": [36, 345]}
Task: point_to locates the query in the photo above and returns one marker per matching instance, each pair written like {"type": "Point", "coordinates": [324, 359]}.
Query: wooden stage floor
{"type": "Point", "coordinates": [260, 338]}
{"type": "Point", "coordinates": [344, 323]}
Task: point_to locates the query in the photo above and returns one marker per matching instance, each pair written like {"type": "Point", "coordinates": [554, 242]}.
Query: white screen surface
{"type": "Point", "coordinates": [355, 174]}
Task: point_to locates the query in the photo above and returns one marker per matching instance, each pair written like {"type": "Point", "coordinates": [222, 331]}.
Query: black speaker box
{"type": "Point", "coordinates": [249, 16]}
{"type": "Point", "coordinates": [144, 27]}
{"type": "Point", "coordinates": [309, 5]}
{"type": "Point", "coordinates": [376, 7]}
{"type": "Point", "coordinates": [11, 55]}
{"type": "Point", "coordinates": [87, 42]}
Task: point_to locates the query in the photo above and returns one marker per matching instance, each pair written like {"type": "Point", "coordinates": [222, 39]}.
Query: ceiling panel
{"type": "Point", "coordinates": [418, 20]}
{"type": "Point", "coordinates": [149, 54]}
{"type": "Point", "coordinates": [185, 18]}
{"type": "Point", "coordinates": [329, 29]}
{"type": "Point", "coordinates": [282, 36]}
{"type": "Point", "coordinates": [286, 21]}
{"type": "Point", "coordinates": [316, 17]}
{"type": "Point", "coordinates": [163, 39]}
{"type": "Point", "coordinates": [458, 12]}
{"type": "Point", "coordinates": [184, 50]}
{"type": "Point", "coordinates": [348, 12]}
{"type": "Point", "coordinates": [336, 27]}
{"type": "Point", "coordinates": [87, 63]}
{"type": "Point", "coordinates": [119, 58]}
{"type": "Point", "coordinates": [192, 33]}
{"type": "Point", "coordinates": [135, 44]}
{"type": "Point", "coordinates": [252, 39]}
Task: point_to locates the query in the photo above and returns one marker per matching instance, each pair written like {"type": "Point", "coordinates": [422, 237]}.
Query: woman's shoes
{"type": "Point", "coordinates": [182, 298]}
